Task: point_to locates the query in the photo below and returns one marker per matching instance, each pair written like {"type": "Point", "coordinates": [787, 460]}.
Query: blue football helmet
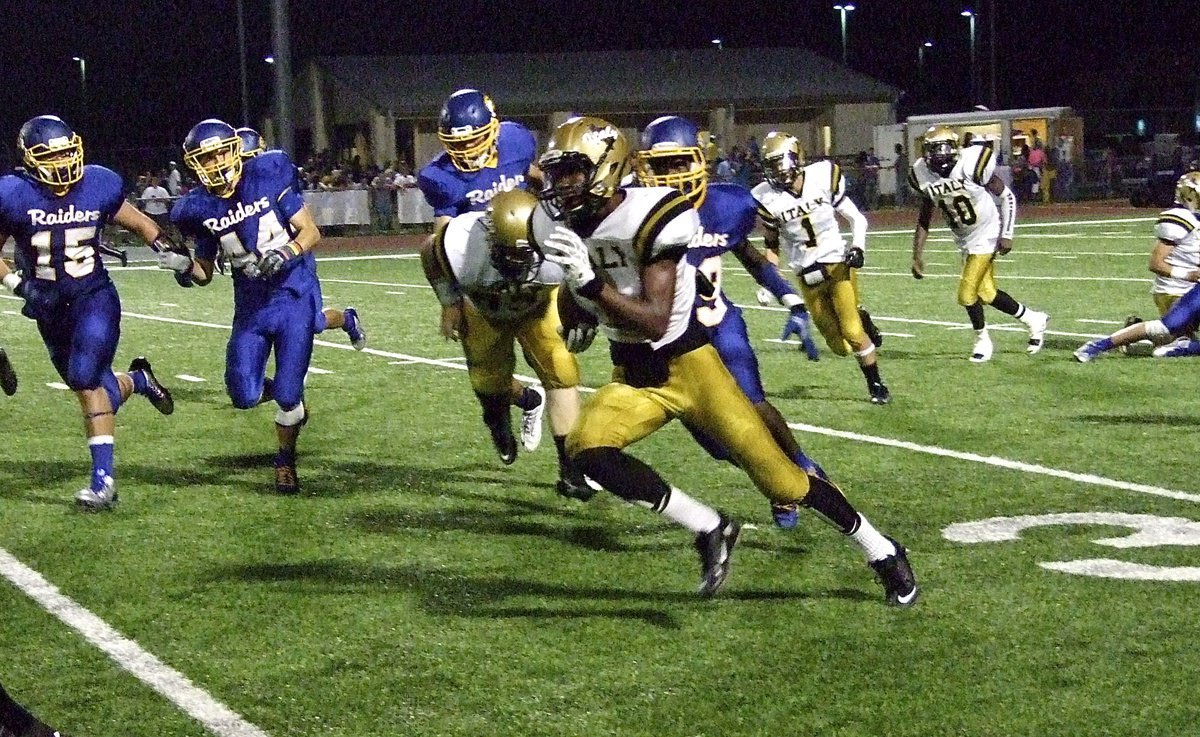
{"type": "Point", "coordinates": [468, 129]}
{"type": "Point", "coordinates": [252, 142]}
{"type": "Point", "coordinates": [52, 152]}
{"type": "Point", "coordinates": [672, 154]}
{"type": "Point", "coordinates": [213, 150]}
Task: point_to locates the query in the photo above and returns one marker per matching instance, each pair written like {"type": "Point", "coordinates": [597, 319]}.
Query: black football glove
{"type": "Point", "coordinates": [855, 258]}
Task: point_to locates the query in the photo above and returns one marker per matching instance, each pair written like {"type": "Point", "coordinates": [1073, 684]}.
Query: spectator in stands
{"type": "Point", "coordinates": [870, 177]}
{"type": "Point", "coordinates": [1037, 163]}
{"type": "Point", "coordinates": [901, 167]}
{"type": "Point", "coordinates": [383, 199]}
{"type": "Point", "coordinates": [174, 180]}
{"type": "Point", "coordinates": [155, 202]}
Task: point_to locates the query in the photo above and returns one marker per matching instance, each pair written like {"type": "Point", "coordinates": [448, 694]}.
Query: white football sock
{"type": "Point", "coordinates": [875, 545]}
{"type": "Point", "coordinates": [694, 515]}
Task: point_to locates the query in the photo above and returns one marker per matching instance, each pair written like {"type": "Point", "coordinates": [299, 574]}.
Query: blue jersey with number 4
{"type": "Point", "coordinates": [255, 219]}
{"type": "Point", "coordinates": [450, 191]}
{"type": "Point", "coordinates": [57, 236]}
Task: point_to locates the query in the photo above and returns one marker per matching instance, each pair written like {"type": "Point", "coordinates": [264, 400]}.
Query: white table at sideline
{"type": "Point", "coordinates": [343, 207]}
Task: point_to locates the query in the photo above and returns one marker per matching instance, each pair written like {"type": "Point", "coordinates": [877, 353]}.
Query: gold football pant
{"type": "Point", "coordinates": [978, 280]}
{"type": "Point", "coordinates": [701, 391]}
{"type": "Point", "coordinates": [491, 359]}
{"type": "Point", "coordinates": [1164, 302]}
{"type": "Point", "coordinates": [833, 305]}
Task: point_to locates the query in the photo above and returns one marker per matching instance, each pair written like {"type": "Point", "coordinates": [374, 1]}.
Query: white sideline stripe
{"type": "Point", "coordinates": [1085, 478]}
{"type": "Point", "coordinates": [173, 685]}
{"type": "Point", "coordinates": [1100, 322]}
{"type": "Point", "coordinates": [167, 304]}
{"type": "Point", "coordinates": [315, 370]}
{"type": "Point", "coordinates": [57, 385]}
{"type": "Point", "coordinates": [189, 377]}
{"type": "Point", "coordinates": [377, 283]}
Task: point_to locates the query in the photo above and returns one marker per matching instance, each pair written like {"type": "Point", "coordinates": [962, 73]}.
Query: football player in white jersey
{"type": "Point", "coordinates": [799, 205]}
{"type": "Point", "coordinates": [981, 212]}
{"type": "Point", "coordinates": [496, 290]}
{"type": "Point", "coordinates": [623, 251]}
{"type": "Point", "coordinates": [1176, 262]}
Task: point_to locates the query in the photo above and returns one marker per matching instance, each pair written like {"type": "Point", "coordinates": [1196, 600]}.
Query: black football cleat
{"type": "Point", "coordinates": [879, 393]}
{"type": "Point", "coordinates": [573, 487]}
{"type": "Point", "coordinates": [894, 572]}
{"type": "Point", "coordinates": [158, 394]}
{"type": "Point", "coordinates": [8, 375]}
{"type": "Point", "coordinates": [505, 441]}
{"type": "Point", "coordinates": [716, 549]}
{"type": "Point", "coordinates": [869, 327]}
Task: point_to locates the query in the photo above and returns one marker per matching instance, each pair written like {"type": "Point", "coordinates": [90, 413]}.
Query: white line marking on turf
{"type": "Point", "coordinates": [376, 283]}
{"type": "Point", "coordinates": [315, 370]}
{"type": "Point", "coordinates": [189, 377]}
{"type": "Point", "coordinates": [1100, 322]}
{"type": "Point", "coordinates": [57, 385]}
{"type": "Point", "coordinates": [167, 304]}
{"type": "Point", "coordinates": [1085, 478]}
{"type": "Point", "coordinates": [173, 685]}
{"type": "Point", "coordinates": [1065, 258]}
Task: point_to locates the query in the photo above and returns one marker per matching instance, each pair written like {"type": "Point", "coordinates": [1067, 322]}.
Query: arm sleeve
{"type": "Point", "coordinates": [858, 222]}
{"type": "Point", "coordinates": [1006, 203]}
{"type": "Point", "coordinates": [283, 174]}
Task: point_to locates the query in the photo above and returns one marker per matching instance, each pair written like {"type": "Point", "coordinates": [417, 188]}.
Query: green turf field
{"type": "Point", "coordinates": [418, 587]}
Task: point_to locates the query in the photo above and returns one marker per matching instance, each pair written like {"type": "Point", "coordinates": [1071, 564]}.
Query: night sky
{"type": "Point", "coordinates": [155, 68]}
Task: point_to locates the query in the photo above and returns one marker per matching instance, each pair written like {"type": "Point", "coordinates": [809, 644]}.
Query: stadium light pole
{"type": "Point", "coordinates": [843, 9]}
{"type": "Point", "coordinates": [970, 16]}
{"type": "Point", "coordinates": [281, 51]}
{"type": "Point", "coordinates": [82, 87]}
{"type": "Point", "coordinates": [921, 57]}
{"type": "Point", "coordinates": [241, 34]}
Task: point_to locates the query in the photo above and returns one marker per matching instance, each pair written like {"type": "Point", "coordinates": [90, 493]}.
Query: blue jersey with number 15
{"type": "Point", "coordinates": [255, 219]}
{"type": "Point", "coordinates": [57, 236]}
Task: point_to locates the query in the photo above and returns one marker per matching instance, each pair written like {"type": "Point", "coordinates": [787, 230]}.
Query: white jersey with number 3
{"type": "Point", "coordinates": [962, 197]}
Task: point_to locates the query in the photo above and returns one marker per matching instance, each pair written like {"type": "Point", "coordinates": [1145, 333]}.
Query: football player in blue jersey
{"type": "Point", "coordinates": [672, 155]}
{"type": "Point", "coordinates": [56, 210]}
{"type": "Point", "coordinates": [250, 210]}
{"type": "Point", "coordinates": [331, 317]}
{"type": "Point", "coordinates": [482, 156]}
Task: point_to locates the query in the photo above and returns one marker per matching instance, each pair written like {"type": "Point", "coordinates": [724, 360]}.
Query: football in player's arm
{"type": "Point", "coordinates": [799, 205]}
{"type": "Point", "coordinates": [1175, 261]}
{"type": "Point", "coordinates": [56, 210]}
{"type": "Point", "coordinates": [251, 211]}
{"type": "Point", "coordinates": [981, 212]}
{"type": "Point", "coordinates": [496, 290]}
{"type": "Point", "coordinates": [624, 248]}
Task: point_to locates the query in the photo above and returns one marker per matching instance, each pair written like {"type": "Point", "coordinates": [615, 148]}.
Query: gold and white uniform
{"type": "Point", "coordinates": [1180, 227]}
{"type": "Point", "coordinates": [679, 375]}
{"type": "Point", "coordinates": [500, 311]}
{"type": "Point", "coordinates": [807, 222]}
{"type": "Point", "coordinates": [970, 210]}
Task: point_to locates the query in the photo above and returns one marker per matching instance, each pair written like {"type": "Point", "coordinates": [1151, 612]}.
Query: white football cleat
{"type": "Point", "coordinates": [94, 501]}
{"type": "Point", "coordinates": [531, 422]}
{"type": "Point", "coordinates": [1037, 331]}
{"type": "Point", "coordinates": [983, 348]}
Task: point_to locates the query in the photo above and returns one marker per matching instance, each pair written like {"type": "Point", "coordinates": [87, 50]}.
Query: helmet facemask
{"type": "Point", "coordinates": [940, 156]}
{"type": "Point", "coordinates": [781, 171]}
{"type": "Point", "coordinates": [683, 168]}
{"type": "Point", "coordinates": [217, 163]}
{"type": "Point", "coordinates": [472, 148]}
{"type": "Point", "coordinates": [58, 163]}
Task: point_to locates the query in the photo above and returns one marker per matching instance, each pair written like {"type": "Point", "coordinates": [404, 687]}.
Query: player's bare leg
{"type": "Point", "coordinates": [348, 321]}
{"type": "Point", "coordinates": [99, 423]}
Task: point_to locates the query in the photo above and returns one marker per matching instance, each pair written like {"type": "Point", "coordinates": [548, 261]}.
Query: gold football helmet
{"type": "Point", "coordinates": [507, 221]}
{"type": "Point", "coordinates": [1187, 191]}
{"type": "Point", "coordinates": [782, 157]}
{"type": "Point", "coordinates": [583, 167]}
{"type": "Point", "coordinates": [940, 147]}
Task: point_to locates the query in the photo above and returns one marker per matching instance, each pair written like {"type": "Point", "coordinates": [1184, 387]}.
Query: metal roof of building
{"type": "Point", "coordinates": [604, 81]}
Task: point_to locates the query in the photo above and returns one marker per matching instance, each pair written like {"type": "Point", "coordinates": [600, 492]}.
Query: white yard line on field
{"type": "Point", "coordinates": [173, 685]}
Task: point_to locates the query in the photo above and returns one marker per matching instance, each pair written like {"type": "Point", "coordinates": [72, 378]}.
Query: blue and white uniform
{"type": "Point", "coordinates": [280, 312]}
{"type": "Point", "coordinates": [56, 239]}
{"type": "Point", "coordinates": [451, 191]}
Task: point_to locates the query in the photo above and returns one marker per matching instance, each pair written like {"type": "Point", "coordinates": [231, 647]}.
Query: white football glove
{"type": "Point", "coordinates": [579, 338]}
{"type": "Point", "coordinates": [172, 261]}
{"type": "Point", "coordinates": [565, 248]}
{"type": "Point", "coordinates": [765, 298]}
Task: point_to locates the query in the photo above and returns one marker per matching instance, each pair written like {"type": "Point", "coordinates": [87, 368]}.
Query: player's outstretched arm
{"type": "Point", "coordinates": [1006, 203]}
{"type": "Point", "coordinates": [445, 287]}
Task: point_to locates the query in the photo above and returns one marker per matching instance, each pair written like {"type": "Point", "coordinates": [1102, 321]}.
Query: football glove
{"type": "Point", "coordinates": [764, 297]}
{"type": "Point", "coordinates": [40, 299]}
{"type": "Point", "coordinates": [565, 248]}
{"type": "Point", "coordinates": [272, 262]}
{"type": "Point", "coordinates": [800, 324]}
{"type": "Point", "coordinates": [579, 338]}
{"type": "Point", "coordinates": [855, 258]}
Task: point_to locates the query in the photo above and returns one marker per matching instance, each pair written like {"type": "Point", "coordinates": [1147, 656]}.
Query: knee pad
{"type": "Point", "coordinates": [290, 417]}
